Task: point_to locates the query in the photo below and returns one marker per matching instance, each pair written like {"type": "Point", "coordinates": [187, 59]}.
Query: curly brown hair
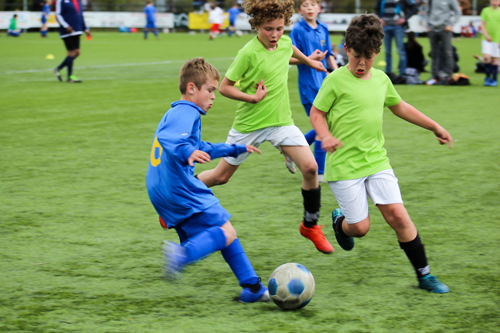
{"type": "Point", "coordinates": [261, 11]}
{"type": "Point", "coordinates": [198, 71]}
{"type": "Point", "coordinates": [365, 34]}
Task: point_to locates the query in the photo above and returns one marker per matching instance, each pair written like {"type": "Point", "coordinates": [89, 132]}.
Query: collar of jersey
{"type": "Point", "coordinates": [182, 102]}
{"type": "Point", "coordinates": [307, 26]}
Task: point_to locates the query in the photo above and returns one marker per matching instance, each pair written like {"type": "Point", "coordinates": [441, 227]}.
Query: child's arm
{"type": "Point", "coordinates": [318, 121]}
{"type": "Point", "coordinates": [485, 33]}
{"type": "Point", "coordinates": [317, 65]}
{"type": "Point", "coordinates": [316, 55]}
{"type": "Point", "coordinates": [217, 150]}
{"type": "Point", "coordinates": [333, 64]}
{"type": "Point", "coordinates": [227, 89]}
{"type": "Point", "coordinates": [407, 112]}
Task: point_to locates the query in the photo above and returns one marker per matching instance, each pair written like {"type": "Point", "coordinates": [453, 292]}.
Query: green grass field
{"type": "Point", "coordinates": [81, 244]}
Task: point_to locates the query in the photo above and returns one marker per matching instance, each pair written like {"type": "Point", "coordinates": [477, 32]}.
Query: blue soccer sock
{"type": "Point", "coordinates": [70, 65]}
{"type": "Point", "coordinates": [310, 136]}
{"type": "Point", "coordinates": [319, 155]}
{"type": "Point", "coordinates": [205, 243]}
{"type": "Point", "coordinates": [237, 259]}
{"type": "Point", "coordinates": [65, 62]}
{"type": "Point", "coordinates": [145, 33]}
{"type": "Point", "coordinates": [494, 72]}
{"type": "Point", "coordinates": [155, 32]}
{"type": "Point", "coordinates": [487, 70]}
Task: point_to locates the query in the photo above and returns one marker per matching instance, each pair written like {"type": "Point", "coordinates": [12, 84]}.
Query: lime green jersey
{"type": "Point", "coordinates": [491, 20]}
{"type": "Point", "coordinates": [354, 114]}
{"type": "Point", "coordinates": [252, 64]}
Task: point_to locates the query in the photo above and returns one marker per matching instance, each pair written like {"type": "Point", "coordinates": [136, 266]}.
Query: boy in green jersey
{"type": "Point", "coordinates": [263, 112]}
{"type": "Point", "coordinates": [13, 30]}
{"type": "Point", "coordinates": [490, 26]}
{"type": "Point", "coordinates": [347, 115]}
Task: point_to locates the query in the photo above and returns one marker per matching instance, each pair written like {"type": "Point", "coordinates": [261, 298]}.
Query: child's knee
{"type": "Point", "coordinates": [358, 229]}
{"type": "Point", "coordinates": [222, 179]}
{"type": "Point", "coordinates": [310, 169]}
{"type": "Point", "coordinates": [229, 232]}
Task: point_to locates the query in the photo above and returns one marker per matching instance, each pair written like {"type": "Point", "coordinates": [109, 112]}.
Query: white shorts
{"type": "Point", "coordinates": [382, 188]}
{"type": "Point", "coordinates": [491, 48]}
{"type": "Point", "coordinates": [277, 136]}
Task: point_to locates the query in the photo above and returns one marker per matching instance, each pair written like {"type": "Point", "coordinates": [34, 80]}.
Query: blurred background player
{"type": "Point", "coordinates": [183, 202]}
{"type": "Point", "coordinates": [150, 12]}
{"type": "Point", "coordinates": [45, 18]}
{"type": "Point", "coordinates": [347, 115]}
{"type": "Point", "coordinates": [311, 37]}
{"type": "Point", "coordinates": [216, 19]}
{"type": "Point", "coordinates": [233, 14]}
{"type": "Point", "coordinates": [13, 30]}
{"type": "Point", "coordinates": [263, 110]}
{"type": "Point", "coordinates": [490, 26]}
{"type": "Point", "coordinates": [69, 14]}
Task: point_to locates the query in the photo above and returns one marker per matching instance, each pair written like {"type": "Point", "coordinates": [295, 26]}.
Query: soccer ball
{"type": "Point", "coordinates": [238, 33]}
{"type": "Point", "coordinates": [291, 286]}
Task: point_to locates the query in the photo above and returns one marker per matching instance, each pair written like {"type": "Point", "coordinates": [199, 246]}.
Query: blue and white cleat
{"type": "Point", "coordinates": [431, 283]}
{"type": "Point", "coordinates": [487, 82]}
{"type": "Point", "coordinates": [175, 260]}
{"type": "Point", "coordinates": [493, 83]}
{"type": "Point", "coordinates": [248, 296]}
{"type": "Point", "coordinates": [345, 242]}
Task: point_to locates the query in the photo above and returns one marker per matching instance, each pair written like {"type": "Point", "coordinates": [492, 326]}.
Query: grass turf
{"type": "Point", "coordinates": [81, 242]}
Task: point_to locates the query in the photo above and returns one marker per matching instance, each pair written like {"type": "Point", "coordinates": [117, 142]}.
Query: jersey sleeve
{"type": "Point", "coordinates": [329, 45]}
{"type": "Point", "coordinates": [176, 138]}
{"type": "Point", "coordinates": [391, 96]}
{"type": "Point", "coordinates": [239, 66]}
{"type": "Point", "coordinates": [218, 150]}
{"type": "Point", "coordinates": [326, 95]}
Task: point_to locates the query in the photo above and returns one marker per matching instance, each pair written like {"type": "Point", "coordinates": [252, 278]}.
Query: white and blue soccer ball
{"type": "Point", "coordinates": [291, 286]}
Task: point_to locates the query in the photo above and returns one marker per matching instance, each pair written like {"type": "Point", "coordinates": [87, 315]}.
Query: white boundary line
{"type": "Point", "coordinates": [112, 65]}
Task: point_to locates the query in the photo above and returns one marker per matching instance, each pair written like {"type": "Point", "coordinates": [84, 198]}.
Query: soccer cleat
{"type": "Point", "coordinates": [247, 296]}
{"type": "Point", "coordinates": [175, 260]}
{"type": "Point", "coordinates": [73, 79]}
{"type": "Point", "coordinates": [58, 75]}
{"type": "Point", "coordinates": [493, 83]}
{"type": "Point", "coordinates": [431, 283]}
{"type": "Point", "coordinates": [345, 242]}
{"type": "Point", "coordinates": [288, 161]}
{"type": "Point", "coordinates": [487, 82]}
{"type": "Point", "coordinates": [315, 234]}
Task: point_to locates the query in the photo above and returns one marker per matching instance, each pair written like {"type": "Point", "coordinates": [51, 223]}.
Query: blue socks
{"type": "Point", "coordinates": [145, 33]}
{"type": "Point", "coordinates": [310, 136]}
{"type": "Point", "coordinates": [155, 32]}
{"type": "Point", "coordinates": [319, 155]}
{"type": "Point", "coordinates": [43, 33]}
{"type": "Point", "coordinates": [237, 259]}
{"type": "Point", "coordinates": [205, 243]}
{"type": "Point", "coordinates": [487, 70]}
{"type": "Point", "coordinates": [494, 72]}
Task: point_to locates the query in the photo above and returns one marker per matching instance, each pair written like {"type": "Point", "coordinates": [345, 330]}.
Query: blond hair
{"type": "Point", "coordinates": [300, 2]}
{"type": "Point", "coordinates": [261, 11]}
{"type": "Point", "coordinates": [198, 71]}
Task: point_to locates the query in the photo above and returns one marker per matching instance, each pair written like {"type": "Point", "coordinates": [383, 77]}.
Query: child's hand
{"type": "Point", "coordinates": [260, 93]}
{"type": "Point", "coordinates": [443, 136]}
{"type": "Point", "coordinates": [317, 65]}
{"type": "Point", "coordinates": [331, 144]}
{"type": "Point", "coordinates": [198, 156]}
{"type": "Point", "coordinates": [318, 55]}
{"type": "Point", "coordinates": [252, 149]}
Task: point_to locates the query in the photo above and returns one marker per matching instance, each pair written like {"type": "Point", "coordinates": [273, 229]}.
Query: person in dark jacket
{"type": "Point", "coordinates": [394, 15]}
{"type": "Point", "coordinates": [69, 14]}
{"type": "Point", "coordinates": [414, 54]}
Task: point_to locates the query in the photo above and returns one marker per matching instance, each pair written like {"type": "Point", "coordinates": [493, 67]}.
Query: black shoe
{"type": "Point", "coordinates": [58, 75]}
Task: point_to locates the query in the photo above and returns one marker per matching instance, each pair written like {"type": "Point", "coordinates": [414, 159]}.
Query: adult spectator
{"type": "Point", "coordinates": [394, 15]}
{"type": "Point", "coordinates": [441, 16]}
{"type": "Point", "coordinates": [69, 14]}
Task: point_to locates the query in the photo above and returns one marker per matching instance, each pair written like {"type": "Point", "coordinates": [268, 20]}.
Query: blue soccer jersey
{"type": "Point", "coordinates": [174, 191]}
{"type": "Point", "coordinates": [150, 11]}
{"type": "Point", "coordinates": [308, 40]}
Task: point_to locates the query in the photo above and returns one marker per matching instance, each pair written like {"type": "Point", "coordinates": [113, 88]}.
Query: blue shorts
{"type": "Point", "coordinates": [232, 22]}
{"type": "Point", "coordinates": [214, 216]}
{"type": "Point", "coordinates": [308, 108]}
{"type": "Point", "coordinates": [44, 20]}
{"type": "Point", "coordinates": [150, 25]}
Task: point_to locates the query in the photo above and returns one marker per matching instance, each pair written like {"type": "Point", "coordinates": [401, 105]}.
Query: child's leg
{"type": "Point", "coordinates": [494, 69]}
{"type": "Point", "coordinates": [218, 176]}
{"type": "Point", "coordinates": [487, 66]}
{"type": "Point", "coordinates": [146, 33]}
{"type": "Point", "coordinates": [155, 32]}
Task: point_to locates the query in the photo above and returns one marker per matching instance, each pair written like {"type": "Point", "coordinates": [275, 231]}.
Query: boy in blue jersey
{"type": "Point", "coordinates": [311, 37]}
{"type": "Point", "coordinates": [233, 14]}
{"type": "Point", "coordinates": [150, 12]}
{"type": "Point", "coordinates": [44, 19]}
{"type": "Point", "coordinates": [183, 202]}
